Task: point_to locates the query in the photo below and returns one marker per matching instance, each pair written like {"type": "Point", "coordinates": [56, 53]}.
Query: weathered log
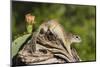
{"type": "Point", "coordinates": [45, 48]}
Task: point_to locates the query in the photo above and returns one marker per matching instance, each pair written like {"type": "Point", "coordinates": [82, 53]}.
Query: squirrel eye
{"type": "Point", "coordinates": [76, 36]}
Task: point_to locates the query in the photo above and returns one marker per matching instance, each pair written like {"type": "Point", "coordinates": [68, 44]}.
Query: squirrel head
{"type": "Point", "coordinates": [72, 38]}
{"type": "Point", "coordinates": [75, 39]}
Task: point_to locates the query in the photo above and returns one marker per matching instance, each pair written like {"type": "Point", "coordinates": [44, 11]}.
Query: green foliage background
{"type": "Point", "coordinates": [76, 19]}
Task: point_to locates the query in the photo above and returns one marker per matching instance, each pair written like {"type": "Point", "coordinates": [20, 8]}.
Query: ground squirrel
{"type": "Point", "coordinates": [57, 29]}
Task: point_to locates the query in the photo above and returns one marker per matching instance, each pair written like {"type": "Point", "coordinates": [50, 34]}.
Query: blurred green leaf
{"type": "Point", "coordinates": [17, 43]}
